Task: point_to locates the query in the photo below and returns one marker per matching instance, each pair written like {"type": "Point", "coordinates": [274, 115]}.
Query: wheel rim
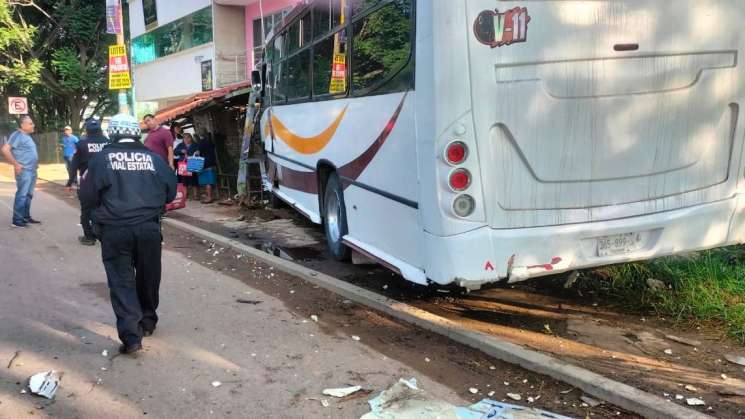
{"type": "Point", "coordinates": [333, 217]}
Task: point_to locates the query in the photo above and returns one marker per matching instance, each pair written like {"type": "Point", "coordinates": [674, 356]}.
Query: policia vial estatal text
{"type": "Point", "coordinates": [128, 186]}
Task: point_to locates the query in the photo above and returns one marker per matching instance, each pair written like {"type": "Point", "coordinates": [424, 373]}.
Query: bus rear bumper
{"type": "Point", "coordinates": [488, 255]}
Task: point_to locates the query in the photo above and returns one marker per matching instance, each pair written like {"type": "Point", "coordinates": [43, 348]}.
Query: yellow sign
{"type": "Point", "coordinates": [339, 74]}
{"type": "Point", "coordinates": [118, 68]}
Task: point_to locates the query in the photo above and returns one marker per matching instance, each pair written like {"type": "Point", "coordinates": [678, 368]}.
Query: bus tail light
{"type": "Point", "coordinates": [456, 152]}
{"type": "Point", "coordinates": [464, 205]}
{"type": "Point", "coordinates": [460, 180]}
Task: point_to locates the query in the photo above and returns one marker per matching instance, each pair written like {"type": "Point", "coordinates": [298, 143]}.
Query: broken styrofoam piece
{"type": "Point", "coordinates": [514, 396]}
{"type": "Point", "coordinates": [491, 409]}
{"type": "Point", "coordinates": [216, 384]}
{"type": "Point", "coordinates": [44, 384]}
{"type": "Point", "coordinates": [341, 392]}
{"type": "Point", "coordinates": [735, 359]}
{"type": "Point", "coordinates": [404, 400]}
{"type": "Point", "coordinates": [695, 402]}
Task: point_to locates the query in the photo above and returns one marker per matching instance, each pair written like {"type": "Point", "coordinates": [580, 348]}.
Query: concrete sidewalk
{"type": "Point", "coordinates": [54, 312]}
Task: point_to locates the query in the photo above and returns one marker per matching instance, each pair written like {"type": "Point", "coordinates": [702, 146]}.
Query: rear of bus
{"type": "Point", "coordinates": [597, 132]}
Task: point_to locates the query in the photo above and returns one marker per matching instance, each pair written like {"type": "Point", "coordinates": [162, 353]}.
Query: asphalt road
{"type": "Point", "coordinates": [55, 314]}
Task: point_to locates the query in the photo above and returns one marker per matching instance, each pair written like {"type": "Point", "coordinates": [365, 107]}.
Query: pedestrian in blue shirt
{"type": "Point", "coordinates": [68, 142]}
{"type": "Point", "coordinates": [20, 152]}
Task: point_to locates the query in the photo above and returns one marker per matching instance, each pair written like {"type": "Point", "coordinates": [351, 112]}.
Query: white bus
{"type": "Point", "coordinates": [473, 141]}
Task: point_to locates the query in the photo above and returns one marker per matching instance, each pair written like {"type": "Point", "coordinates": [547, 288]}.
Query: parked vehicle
{"type": "Point", "coordinates": [476, 141]}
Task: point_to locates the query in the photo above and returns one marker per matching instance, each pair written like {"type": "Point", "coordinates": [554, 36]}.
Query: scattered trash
{"type": "Point", "coordinates": [691, 388]}
{"type": "Point", "coordinates": [656, 284]}
{"type": "Point", "coordinates": [688, 342]}
{"type": "Point", "coordinates": [679, 397]}
{"type": "Point", "coordinates": [325, 403]}
{"type": "Point", "coordinates": [473, 390]}
{"type": "Point", "coordinates": [404, 400]}
{"type": "Point", "coordinates": [385, 287]}
{"type": "Point", "coordinates": [491, 394]}
{"type": "Point", "coordinates": [44, 384]}
{"type": "Point", "coordinates": [724, 377]}
{"type": "Point", "coordinates": [13, 358]}
{"type": "Point", "coordinates": [531, 400]}
{"type": "Point", "coordinates": [314, 318]}
{"type": "Point", "coordinates": [571, 280]}
{"type": "Point", "coordinates": [669, 351]}
{"type": "Point", "coordinates": [244, 301]}
{"type": "Point", "coordinates": [341, 392]}
{"type": "Point", "coordinates": [23, 392]}
{"type": "Point", "coordinates": [547, 328]}
{"type": "Point", "coordinates": [507, 384]}
{"type": "Point", "coordinates": [426, 359]}
{"type": "Point", "coordinates": [731, 392]}
{"type": "Point", "coordinates": [735, 359]}
{"type": "Point", "coordinates": [590, 401]}
{"type": "Point", "coordinates": [216, 384]}
{"type": "Point", "coordinates": [356, 338]}
{"type": "Point", "coordinates": [514, 396]}
{"type": "Point", "coordinates": [492, 368]}
{"type": "Point", "coordinates": [567, 391]}
{"type": "Point", "coordinates": [695, 402]}
{"type": "Point", "coordinates": [104, 353]}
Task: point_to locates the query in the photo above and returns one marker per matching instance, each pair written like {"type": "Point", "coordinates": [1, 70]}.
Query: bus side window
{"type": "Point", "coordinates": [327, 15]}
{"type": "Point", "coordinates": [296, 80]}
{"type": "Point", "coordinates": [329, 65]}
{"type": "Point", "coordinates": [381, 50]}
{"type": "Point", "coordinates": [359, 6]}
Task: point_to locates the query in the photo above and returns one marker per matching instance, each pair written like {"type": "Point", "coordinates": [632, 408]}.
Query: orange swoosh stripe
{"type": "Point", "coordinates": [306, 145]}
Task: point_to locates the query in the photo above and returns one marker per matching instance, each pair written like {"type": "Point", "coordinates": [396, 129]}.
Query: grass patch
{"type": "Point", "coordinates": [706, 287]}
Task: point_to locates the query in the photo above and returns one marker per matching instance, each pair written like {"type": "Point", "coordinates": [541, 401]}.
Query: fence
{"type": "Point", "coordinates": [48, 146]}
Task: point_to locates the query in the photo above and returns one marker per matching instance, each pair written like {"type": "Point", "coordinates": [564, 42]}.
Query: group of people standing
{"type": "Point", "coordinates": [175, 146]}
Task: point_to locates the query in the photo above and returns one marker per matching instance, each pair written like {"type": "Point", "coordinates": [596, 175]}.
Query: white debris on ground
{"type": "Point", "coordinates": [314, 318]}
{"type": "Point", "coordinates": [216, 384]}
{"type": "Point", "coordinates": [691, 388]}
{"type": "Point", "coordinates": [514, 396]}
{"type": "Point", "coordinates": [341, 392]}
{"type": "Point", "coordinates": [404, 400]}
{"type": "Point", "coordinates": [669, 351]}
{"type": "Point", "coordinates": [735, 359]}
{"type": "Point", "coordinates": [105, 353]}
{"type": "Point", "coordinates": [473, 390]}
{"type": "Point", "coordinates": [695, 402]}
{"type": "Point", "coordinates": [45, 384]}
{"type": "Point", "coordinates": [355, 338]}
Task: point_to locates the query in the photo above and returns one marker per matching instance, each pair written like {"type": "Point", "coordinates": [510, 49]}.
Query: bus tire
{"type": "Point", "coordinates": [335, 218]}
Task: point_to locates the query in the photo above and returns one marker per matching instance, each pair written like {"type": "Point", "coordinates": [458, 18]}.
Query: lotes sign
{"type": "Point", "coordinates": [119, 77]}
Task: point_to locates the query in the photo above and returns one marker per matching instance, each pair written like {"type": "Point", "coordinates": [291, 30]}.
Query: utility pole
{"type": "Point", "coordinates": [123, 101]}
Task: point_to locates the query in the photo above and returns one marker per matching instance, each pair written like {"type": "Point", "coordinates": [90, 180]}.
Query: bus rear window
{"type": "Point", "coordinates": [381, 50]}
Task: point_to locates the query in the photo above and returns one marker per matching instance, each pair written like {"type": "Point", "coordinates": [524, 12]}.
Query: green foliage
{"type": "Point", "coordinates": [705, 287]}
{"type": "Point", "coordinates": [18, 71]}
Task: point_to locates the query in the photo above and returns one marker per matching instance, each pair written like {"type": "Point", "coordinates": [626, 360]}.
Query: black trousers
{"type": "Point", "coordinates": [131, 257]}
{"type": "Point", "coordinates": [87, 223]}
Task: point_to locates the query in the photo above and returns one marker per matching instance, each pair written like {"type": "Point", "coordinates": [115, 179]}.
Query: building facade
{"type": "Point", "coordinates": [182, 47]}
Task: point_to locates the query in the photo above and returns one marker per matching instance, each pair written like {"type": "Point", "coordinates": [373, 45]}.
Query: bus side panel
{"type": "Point", "coordinates": [391, 223]}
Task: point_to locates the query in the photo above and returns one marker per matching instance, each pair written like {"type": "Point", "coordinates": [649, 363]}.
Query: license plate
{"type": "Point", "coordinates": [619, 244]}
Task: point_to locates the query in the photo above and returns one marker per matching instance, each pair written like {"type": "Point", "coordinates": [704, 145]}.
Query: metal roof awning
{"type": "Point", "coordinates": [189, 104]}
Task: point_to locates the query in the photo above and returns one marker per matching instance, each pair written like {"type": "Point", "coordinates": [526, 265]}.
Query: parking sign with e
{"type": "Point", "coordinates": [17, 105]}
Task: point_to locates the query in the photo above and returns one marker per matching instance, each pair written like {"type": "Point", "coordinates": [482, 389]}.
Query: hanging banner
{"type": "Point", "coordinates": [119, 77]}
{"type": "Point", "coordinates": [339, 74]}
{"type": "Point", "coordinates": [114, 17]}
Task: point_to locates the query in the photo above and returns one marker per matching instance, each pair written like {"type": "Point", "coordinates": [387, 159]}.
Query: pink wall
{"type": "Point", "coordinates": [253, 12]}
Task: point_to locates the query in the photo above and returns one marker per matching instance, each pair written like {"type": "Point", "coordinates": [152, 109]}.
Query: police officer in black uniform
{"type": "Point", "coordinates": [127, 186]}
{"type": "Point", "coordinates": [93, 142]}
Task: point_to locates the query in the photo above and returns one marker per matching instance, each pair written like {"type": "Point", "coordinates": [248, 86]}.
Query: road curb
{"type": "Point", "coordinates": [614, 392]}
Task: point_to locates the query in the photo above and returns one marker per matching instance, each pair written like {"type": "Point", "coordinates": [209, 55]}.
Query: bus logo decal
{"type": "Point", "coordinates": [501, 29]}
{"type": "Point", "coordinates": [304, 145]}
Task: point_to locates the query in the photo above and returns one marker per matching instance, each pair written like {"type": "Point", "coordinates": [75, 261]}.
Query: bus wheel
{"type": "Point", "coordinates": [335, 218]}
